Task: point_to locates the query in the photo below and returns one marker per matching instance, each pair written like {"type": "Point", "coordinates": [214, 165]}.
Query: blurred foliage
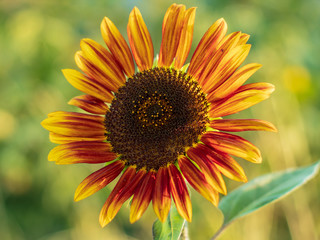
{"type": "Point", "coordinates": [38, 38]}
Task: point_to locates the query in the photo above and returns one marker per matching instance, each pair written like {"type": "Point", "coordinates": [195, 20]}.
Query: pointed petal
{"type": "Point", "coordinates": [74, 124]}
{"type": "Point", "coordinates": [87, 85]}
{"type": "Point", "coordinates": [245, 97]}
{"type": "Point", "coordinates": [171, 31]}
{"type": "Point", "coordinates": [142, 197]}
{"type": "Point", "coordinates": [226, 164]}
{"type": "Point", "coordinates": [161, 198]}
{"type": "Point", "coordinates": [98, 180]}
{"type": "Point", "coordinates": [197, 180]}
{"type": "Point", "coordinates": [103, 61]}
{"type": "Point", "coordinates": [228, 43]}
{"type": "Point", "coordinates": [232, 144]}
{"type": "Point", "coordinates": [180, 193]}
{"type": "Point", "coordinates": [226, 67]}
{"type": "Point", "coordinates": [117, 46]}
{"type": "Point", "coordinates": [140, 40]}
{"type": "Point", "coordinates": [121, 193]}
{"type": "Point", "coordinates": [185, 38]}
{"type": "Point", "coordinates": [177, 33]}
{"type": "Point", "coordinates": [61, 139]}
{"type": "Point", "coordinates": [239, 125]}
{"type": "Point", "coordinates": [94, 73]}
{"type": "Point", "coordinates": [243, 39]}
{"type": "Point", "coordinates": [235, 81]}
{"type": "Point", "coordinates": [90, 104]}
{"type": "Point", "coordinates": [206, 47]}
{"type": "Point", "coordinates": [82, 152]}
{"type": "Point", "coordinates": [208, 168]}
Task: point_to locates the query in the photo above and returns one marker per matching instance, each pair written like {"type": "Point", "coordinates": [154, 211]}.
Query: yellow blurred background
{"type": "Point", "coordinates": [39, 38]}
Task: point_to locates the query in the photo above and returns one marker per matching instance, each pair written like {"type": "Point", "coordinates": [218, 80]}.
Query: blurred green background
{"type": "Point", "coordinates": [39, 38]}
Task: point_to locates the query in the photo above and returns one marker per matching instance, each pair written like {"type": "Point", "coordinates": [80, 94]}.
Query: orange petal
{"type": "Point", "coordinates": [161, 195]}
{"type": "Point", "coordinates": [82, 152]}
{"type": "Point", "coordinates": [87, 85]}
{"type": "Point", "coordinates": [177, 33]}
{"type": "Point", "coordinates": [232, 144]}
{"type": "Point", "coordinates": [226, 67]}
{"type": "Point", "coordinates": [61, 139]}
{"type": "Point", "coordinates": [239, 125]}
{"type": "Point", "coordinates": [121, 193]}
{"type": "Point", "coordinates": [98, 180]}
{"type": "Point", "coordinates": [245, 97]}
{"type": "Point", "coordinates": [103, 61]}
{"type": "Point", "coordinates": [197, 180]}
{"type": "Point", "coordinates": [90, 104]}
{"type": "Point", "coordinates": [233, 82]}
{"type": "Point", "coordinates": [225, 46]}
{"type": "Point", "coordinates": [226, 164]}
{"type": "Point", "coordinates": [180, 193]}
{"type": "Point", "coordinates": [209, 169]}
{"type": "Point", "coordinates": [185, 38]}
{"type": "Point", "coordinates": [142, 197]}
{"type": "Point", "coordinates": [171, 31]}
{"type": "Point", "coordinates": [140, 40]}
{"type": "Point", "coordinates": [74, 124]}
{"type": "Point", "coordinates": [117, 46]}
{"type": "Point", "coordinates": [206, 47]}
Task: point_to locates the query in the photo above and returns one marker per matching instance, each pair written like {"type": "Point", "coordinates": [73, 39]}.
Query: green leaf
{"type": "Point", "coordinates": [171, 228]}
{"type": "Point", "coordinates": [264, 190]}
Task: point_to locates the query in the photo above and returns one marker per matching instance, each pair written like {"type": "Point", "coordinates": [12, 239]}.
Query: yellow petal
{"type": "Point", "coordinates": [87, 85]}
{"type": "Point", "coordinates": [140, 40]}
{"type": "Point", "coordinates": [103, 61]}
{"type": "Point", "coordinates": [117, 46]}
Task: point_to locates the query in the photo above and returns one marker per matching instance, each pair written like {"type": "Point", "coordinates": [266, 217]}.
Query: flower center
{"type": "Point", "coordinates": [155, 116]}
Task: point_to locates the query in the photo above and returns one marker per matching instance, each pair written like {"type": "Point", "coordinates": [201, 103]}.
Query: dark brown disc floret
{"type": "Point", "coordinates": [155, 116]}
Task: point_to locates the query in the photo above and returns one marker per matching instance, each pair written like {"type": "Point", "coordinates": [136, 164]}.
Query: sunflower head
{"type": "Point", "coordinates": [161, 126]}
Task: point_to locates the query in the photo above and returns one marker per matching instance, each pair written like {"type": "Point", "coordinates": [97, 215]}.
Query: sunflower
{"type": "Point", "coordinates": [161, 125]}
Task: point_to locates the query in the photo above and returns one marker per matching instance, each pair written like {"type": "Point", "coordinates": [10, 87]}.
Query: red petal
{"type": "Point", "coordinates": [90, 104]}
{"type": "Point", "coordinates": [232, 144]}
{"type": "Point", "coordinates": [245, 97]}
{"type": "Point", "coordinates": [226, 164]}
{"type": "Point", "coordinates": [98, 180]}
{"type": "Point", "coordinates": [121, 193]}
{"type": "Point", "coordinates": [211, 172]}
{"type": "Point", "coordinates": [82, 152]}
{"type": "Point", "coordinates": [239, 125]}
{"type": "Point", "coordinates": [161, 195]}
{"type": "Point", "coordinates": [197, 180]}
{"type": "Point", "coordinates": [180, 193]}
{"type": "Point", "coordinates": [142, 197]}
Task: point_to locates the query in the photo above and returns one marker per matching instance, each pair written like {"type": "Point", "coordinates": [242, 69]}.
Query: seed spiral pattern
{"type": "Point", "coordinates": [155, 116]}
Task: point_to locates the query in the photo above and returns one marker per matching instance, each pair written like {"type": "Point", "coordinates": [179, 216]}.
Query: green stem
{"type": "Point", "coordinates": [185, 232]}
